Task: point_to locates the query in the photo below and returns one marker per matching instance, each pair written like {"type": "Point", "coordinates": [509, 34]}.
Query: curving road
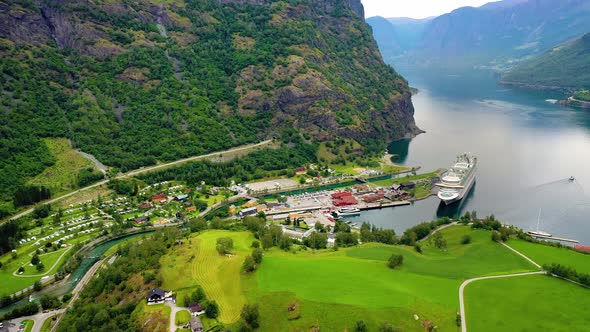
{"type": "Point", "coordinates": [145, 170]}
{"type": "Point", "coordinates": [468, 281]}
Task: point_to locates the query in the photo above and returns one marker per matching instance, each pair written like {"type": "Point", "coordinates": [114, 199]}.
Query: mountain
{"type": "Point", "coordinates": [566, 66]}
{"type": "Point", "coordinates": [497, 33]}
{"type": "Point", "coordinates": [142, 81]}
{"type": "Point", "coordinates": [385, 35]}
{"type": "Point", "coordinates": [398, 35]}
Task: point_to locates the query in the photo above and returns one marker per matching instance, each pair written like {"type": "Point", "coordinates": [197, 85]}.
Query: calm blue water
{"type": "Point", "coordinates": [527, 148]}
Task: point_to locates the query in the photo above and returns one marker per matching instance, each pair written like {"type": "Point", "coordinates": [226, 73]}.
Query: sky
{"type": "Point", "coordinates": [416, 8]}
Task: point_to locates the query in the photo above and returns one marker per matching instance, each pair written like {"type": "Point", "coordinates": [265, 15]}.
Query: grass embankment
{"type": "Point", "coordinates": [182, 317]}
{"type": "Point", "coordinates": [197, 262]}
{"type": "Point", "coordinates": [333, 290]}
{"type": "Point", "coordinates": [530, 303]}
{"type": "Point", "coordinates": [155, 318]}
{"type": "Point", "coordinates": [543, 254]}
{"type": "Point", "coordinates": [62, 177]}
{"type": "Point", "coordinates": [407, 178]}
{"type": "Point", "coordinates": [48, 323]}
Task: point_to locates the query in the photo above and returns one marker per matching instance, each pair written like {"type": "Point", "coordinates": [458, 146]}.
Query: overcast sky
{"type": "Point", "coordinates": [416, 8]}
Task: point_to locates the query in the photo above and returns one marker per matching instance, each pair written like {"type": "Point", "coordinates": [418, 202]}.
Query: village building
{"type": "Point", "coordinates": [158, 295]}
{"type": "Point", "coordinates": [301, 170]}
{"type": "Point", "coordinates": [248, 212]}
{"type": "Point", "coordinates": [181, 198]}
{"type": "Point", "coordinates": [159, 198]}
{"type": "Point", "coordinates": [196, 309]}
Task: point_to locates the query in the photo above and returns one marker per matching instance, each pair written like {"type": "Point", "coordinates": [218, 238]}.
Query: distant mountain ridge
{"type": "Point", "coordinates": [495, 33]}
{"type": "Point", "coordinates": [564, 67]}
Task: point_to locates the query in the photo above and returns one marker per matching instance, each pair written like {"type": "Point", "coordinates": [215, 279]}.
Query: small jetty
{"type": "Point", "coordinates": [555, 238]}
{"type": "Point", "coordinates": [384, 205]}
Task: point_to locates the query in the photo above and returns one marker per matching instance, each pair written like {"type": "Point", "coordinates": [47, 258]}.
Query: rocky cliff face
{"type": "Point", "coordinates": [147, 78]}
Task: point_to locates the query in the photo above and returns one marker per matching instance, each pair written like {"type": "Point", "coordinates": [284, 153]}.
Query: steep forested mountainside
{"type": "Point", "coordinates": [496, 33]}
{"type": "Point", "coordinates": [566, 66]}
{"type": "Point", "coordinates": [134, 82]}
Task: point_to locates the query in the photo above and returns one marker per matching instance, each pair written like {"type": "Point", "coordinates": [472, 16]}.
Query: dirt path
{"type": "Point", "coordinates": [468, 281]}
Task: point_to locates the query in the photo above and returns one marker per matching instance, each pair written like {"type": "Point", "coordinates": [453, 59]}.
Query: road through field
{"type": "Point", "coordinates": [146, 170]}
{"type": "Point", "coordinates": [468, 281]}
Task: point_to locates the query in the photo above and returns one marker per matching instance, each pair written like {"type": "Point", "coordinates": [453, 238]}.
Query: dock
{"type": "Point", "coordinates": [384, 205]}
{"type": "Point", "coordinates": [303, 209]}
{"type": "Point", "coordinates": [554, 238]}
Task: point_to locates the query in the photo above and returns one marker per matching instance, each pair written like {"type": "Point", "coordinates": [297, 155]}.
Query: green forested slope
{"type": "Point", "coordinates": [135, 82]}
{"type": "Point", "coordinates": [566, 66]}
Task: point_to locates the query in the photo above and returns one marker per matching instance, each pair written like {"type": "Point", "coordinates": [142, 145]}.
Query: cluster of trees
{"type": "Point", "coordinates": [198, 296]}
{"type": "Point", "coordinates": [256, 165]}
{"type": "Point", "coordinates": [371, 233]}
{"type": "Point", "coordinates": [10, 233]}
{"type": "Point", "coordinates": [36, 261]}
{"type": "Point", "coordinates": [361, 326]}
{"type": "Point", "coordinates": [224, 245]}
{"type": "Point", "coordinates": [568, 273]}
{"type": "Point", "coordinates": [27, 309]}
{"type": "Point", "coordinates": [269, 236]}
{"type": "Point", "coordinates": [27, 195]}
{"type": "Point", "coordinates": [250, 318]}
{"type": "Point", "coordinates": [252, 261]}
{"type": "Point", "coordinates": [316, 240]}
{"type": "Point", "coordinates": [107, 302]}
{"type": "Point", "coordinates": [421, 231]}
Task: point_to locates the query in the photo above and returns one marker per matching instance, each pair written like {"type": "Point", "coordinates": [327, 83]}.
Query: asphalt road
{"type": "Point", "coordinates": [145, 170]}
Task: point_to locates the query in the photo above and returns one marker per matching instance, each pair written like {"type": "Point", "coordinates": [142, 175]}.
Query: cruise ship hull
{"type": "Point", "coordinates": [460, 193]}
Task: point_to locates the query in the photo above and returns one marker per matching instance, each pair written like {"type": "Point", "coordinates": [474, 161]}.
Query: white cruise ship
{"type": "Point", "coordinates": [457, 181]}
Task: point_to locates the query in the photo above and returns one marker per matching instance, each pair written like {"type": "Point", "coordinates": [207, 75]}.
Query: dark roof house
{"type": "Point", "coordinates": [157, 295]}
{"type": "Point", "coordinates": [196, 309]}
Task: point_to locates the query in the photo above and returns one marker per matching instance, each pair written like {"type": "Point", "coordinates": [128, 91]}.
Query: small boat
{"type": "Point", "coordinates": [572, 178]}
{"type": "Point", "coordinates": [347, 212]}
{"type": "Point", "coordinates": [539, 233]}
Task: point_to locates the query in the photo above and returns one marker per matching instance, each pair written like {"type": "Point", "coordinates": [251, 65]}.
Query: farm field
{"type": "Point", "coordinates": [62, 176]}
{"type": "Point", "coordinates": [546, 255]}
{"type": "Point", "coordinates": [197, 262]}
{"type": "Point", "coordinates": [326, 286]}
{"type": "Point", "coordinates": [530, 303]}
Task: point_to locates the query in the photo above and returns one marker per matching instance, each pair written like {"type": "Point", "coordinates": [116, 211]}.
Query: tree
{"type": "Point", "coordinates": [386, 327]}
{"type": "Point", "coordinates": [250, 315]}
{"type": "Point", "coordinates": [466, 239]}
{"type": "Point", "coordinates": [255, 244]}
{"type": "Point", "coordinates": [249, 264]}
{"type": "Point", "coordinates": [316, 240]}
{"type": "Point", "coordinates": [197, 225]}
{"type": "Point", "coordinates": [257, 255]}
{"type": "Point", "coordinates": [40, 267]}
{"type": "Point", "coordinates": [439, 241]}
{"type": "Point", "coordinates": [267, 242]}
{"type": "Point", "coordinates": [224, 245]}
{"type": "Point", "coordinates": [319, 227]}
{"type": "Point", "coordinates": [361, 326]}
{"type": "Point", "coordinates": [35, 259]}
{"type": "Point", "coordinates": [395, 261]}
{"type": "Point", "coordinates": [211, 309]}
{"type": "Point", "coordinates": [417, 247]}
{"type": "Point", "coordinates": [285, 242]}
{"type": "Point", "coordinates": [49, 302]}
{"type": "Point", "coordinates": [37, 286]}
{"type": "Point", "coordinates": [496, 236]}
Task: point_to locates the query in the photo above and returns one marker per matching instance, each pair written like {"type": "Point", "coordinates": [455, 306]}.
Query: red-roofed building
{"type": "Point", "coordinates": [145, 206]}
{"type": "Point", "coordinates": [300, 170]}
{"type": "Point", "coordinates": [344, 201]}
{"type": "Point", "coordinates": [582, 248]}
{"type": "Point", "coordinates": [373, 198]}
{"type": "Point", "coordinates": [159, 198]}
{"type": "Point", "coordinates": [341, 194]}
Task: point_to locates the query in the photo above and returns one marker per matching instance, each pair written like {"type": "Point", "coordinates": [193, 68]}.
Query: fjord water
{"type": "Point", "coordinates": [527, 149]}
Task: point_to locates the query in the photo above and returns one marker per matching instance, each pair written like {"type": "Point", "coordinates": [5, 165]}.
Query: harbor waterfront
{"type": "Point", "coordinates": [527, 150]}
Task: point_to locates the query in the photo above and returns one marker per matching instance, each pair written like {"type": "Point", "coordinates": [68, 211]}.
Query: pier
{"type": "Point", "coordinates": [541, 237]}
{"type": "Point", "coordinates": [384, 205]}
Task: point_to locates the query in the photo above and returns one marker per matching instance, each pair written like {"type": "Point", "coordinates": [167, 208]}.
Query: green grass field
{"type": "Point", "coordinates": [182, 317]}
{"type": "Point", "coordinates": [334, 289]}
{"type": "Point", "coordinates": [531, 303]}
{"type": "Point", "coordinates": [546, 255]}
{"type": "Point", "coordinates": [198, 263]}
{"type": "Point", "coordinates": [29, 325]}
{"type": "Point", "coordinates": [62, 176]}
{"type": "Point", "coordinates": [48, 324]}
